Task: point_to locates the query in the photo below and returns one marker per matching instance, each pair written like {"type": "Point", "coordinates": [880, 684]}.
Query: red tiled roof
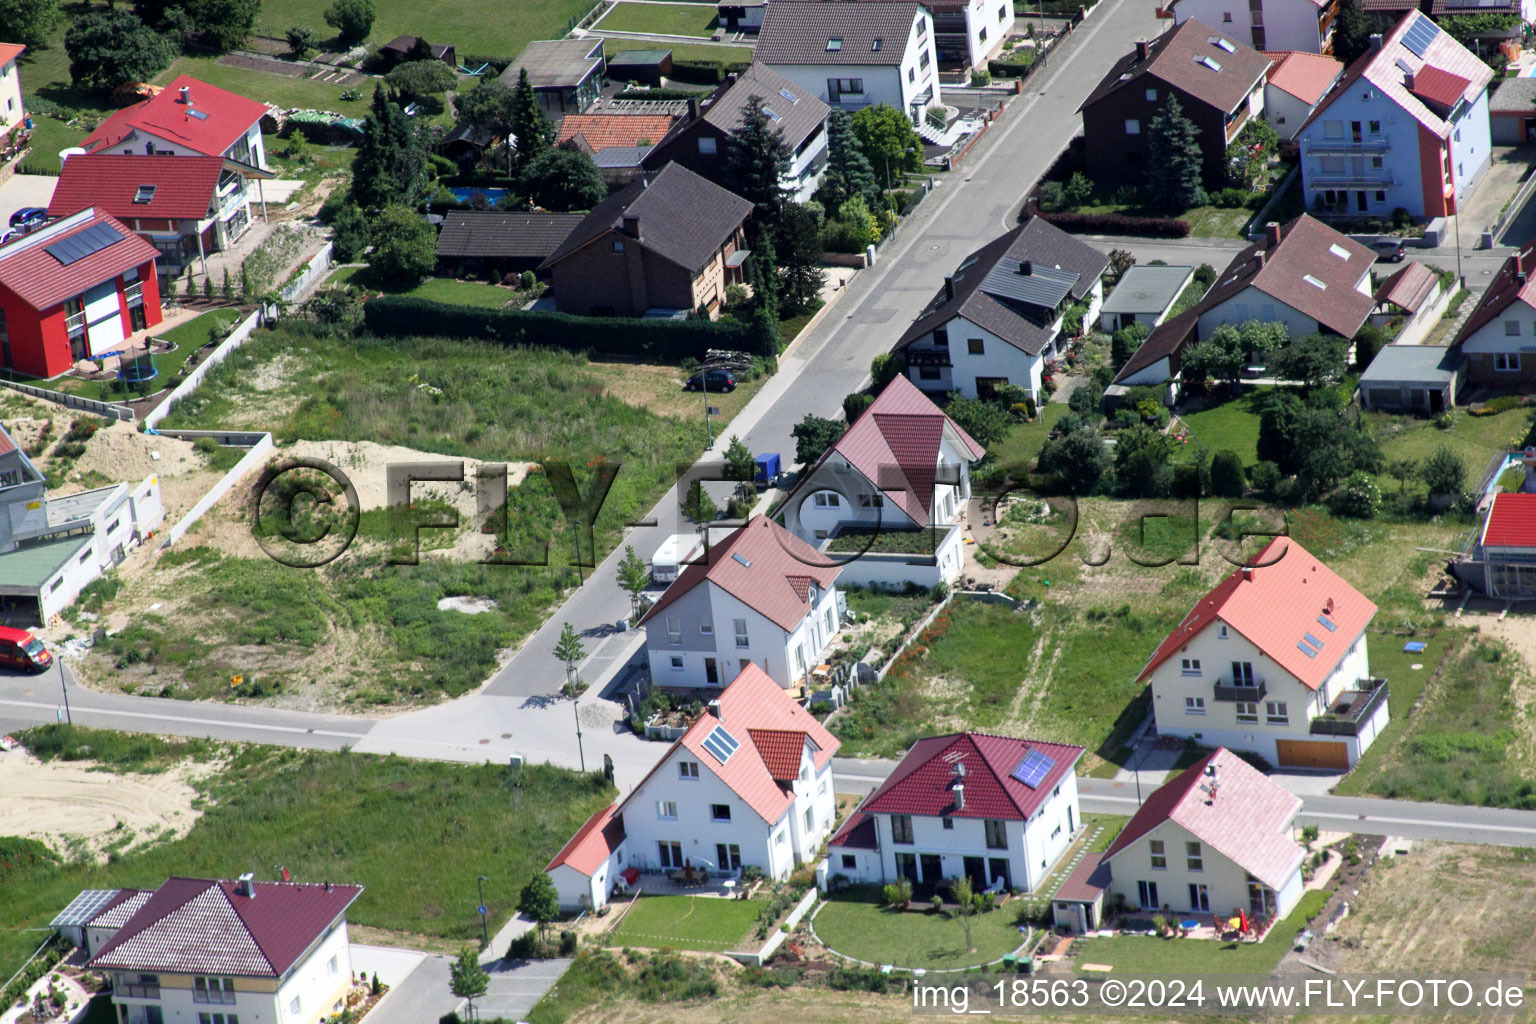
{"type": "Point", "coordinates": [922, 783]}
{"type": "Point", "coordinates": [6, 444]}
{"type": "Point", "coordinates": [1307, 76]}
{"type": "Point", "coordinates": [1087, 881]}
{"type": "Point", "coordinates": [1247, 820]}
{"type": "Point", "coordinates": [605, 131]}
{"type": "Point", "coordinates": [203, 926]}
{"type": "Point", "coordinates": [593, 842]}
{"type": "Point", "coordinates": [857, 833]}
{"type": "Point", "coordinates": [9, 52]}
{"type": "Point", "coordinates": [1439, 87]}
{"type": "Point", "coordinates": [184, 186]}
{"type": "Point", "coordinates": [771, 576]}
{"type": "Point", "coordinates": [1273, 606]}
{"type": "Point", "coordinates": [230, 116]}
{"type": "Point", "coordinates": [1511, 521]}
{"type": "Point", "coordinates": [1409, 287]}
{"type": "Point", "coordinates": [780, 750]}
{"type": "Point", "coordinates": [37, 277]}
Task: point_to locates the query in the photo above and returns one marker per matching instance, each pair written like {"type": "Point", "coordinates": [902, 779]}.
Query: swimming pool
{"type": "Point", "coordinates": [467, 195]}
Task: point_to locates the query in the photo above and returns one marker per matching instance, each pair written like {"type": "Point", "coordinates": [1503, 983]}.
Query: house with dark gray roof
{"type": "Point", "coordinates": [667, 243]}
{"type": "Point", "coordinates": [998, 318]}
{"type": "Point", "coordinates": [501, 241]}
{"type": "Point", "coordinates": [1413, 378]}
{"type": "Point", "coordinates": [851, 54]}
{"type": "Point", "coordinates": [701, 142]}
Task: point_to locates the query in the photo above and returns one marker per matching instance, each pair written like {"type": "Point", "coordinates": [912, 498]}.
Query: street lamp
{"type": "Point", "coordinates": [64, 688]}
{"type": "Point", "coordinates": [576, 711]}
{"type": "Point", "coordinates": [580, 577]}
{"type": "Point", "coordinates": [484, 929]}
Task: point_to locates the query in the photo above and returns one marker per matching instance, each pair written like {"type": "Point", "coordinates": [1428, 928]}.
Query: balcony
{"type": "Point", "coordinates": [134, 294]}
{"type": "Point", "coordinates": [139, 991]}
{"type": "Point", "coordinates": [1320, 182]}
{"type": "Point", "coordinates": [1353, 709]}
{"type": "Point", "coordinates": [1346, 147]}
{"type": "Point", "coordinates": [1229, 692]}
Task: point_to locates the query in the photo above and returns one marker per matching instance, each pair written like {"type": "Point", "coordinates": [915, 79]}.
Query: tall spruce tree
{"type": "Point", "coordinates": [1174, 158]}
{"type": "Point", "coordinates": [391, 164]}
{"type": "Point", "coordinates": [848, 171]}
{"type": "Point", "coordinates": [528, 122]}
{"type": "Point", "coordinates": [756, 162]}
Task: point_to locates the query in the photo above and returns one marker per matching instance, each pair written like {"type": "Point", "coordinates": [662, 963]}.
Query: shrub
{"type": "Point", "coordinates": [981, 76]}
{"type": "Point", "coordinates": [856, 403]}
{"type": "Point", "coordinates": [1229, 197]}
{"type": "Point", "coordinates": [1359, 498]}
{"type": "Point", "coordinates": [1227, 477]}
{"type": "Point", "coordinates": [1494, 406]}
{"type": "Point", "coordinates": [205, 446]}
{"type": "Point", "coordinates": [858, 979]}
{"type": "Point", "coordinates": [898, 894]}
{"type": "Point", "coordinates": [1265, 478]}
{"type": "Point", "coordinates": [1117, 224]}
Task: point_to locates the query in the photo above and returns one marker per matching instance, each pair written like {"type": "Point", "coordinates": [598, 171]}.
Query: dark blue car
{"type": "Point", "coordinates": [29, 218]}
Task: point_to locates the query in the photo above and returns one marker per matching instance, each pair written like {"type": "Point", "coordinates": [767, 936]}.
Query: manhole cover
{"type": "Point", "coordinates": [484, 742]}
{"type": "Point", "coordinates": [506, 735]}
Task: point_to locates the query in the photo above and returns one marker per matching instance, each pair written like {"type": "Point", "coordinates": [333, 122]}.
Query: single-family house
{"type": "Point", "coordinates": [671, 242]}
{"type": "Point", "coordinates": [1144, 295]}
{"type": "Point", "coordinates": [51, 548]}
{"type": "Point", "coordinates": [1217, 80]}
{"type": "Point", "coordinates": [1407, 126]}
{"type": "Point", "coordinates": [73, 290]}
{"type": "Point", "coordinates": [1296, 84]}
{"type": "Point", "coordinates": [749, 784]}
{"type": "Point", "coordinates": [762, 596]}
{"type": "Point", "coordinates": [997, 810]}
{"type": "Point", "coordinates": [998, 317]}
{"type": "Point", "coordinates": [968, 32]}
{"type": "Point", "coordinates": [1412, 378]}
{"type": "Point", "coordinates": [186, 118]}
{"type": "Point", "coordinates": [13, 112]}
{"type": "Point", "coordinates": [702, 141]}
{"type": "Point", "coordinates": [1503, 563]}
{"type": "Point", "coordinates": [1303, 274]}
{"type": "Point", "coordinates": [500, 241]}
{"type": "Point", "coordinates": [1216, 839]}
{"type": "Point", "coordinates": [1273, 661]}
{"type": "Point", "coordinates": [852, 54]}
{"type": "Point", "coordinates": [1305, 25]}
{"type": "Point", "coordinates": [902, 470]}
{"type": "Point", "coordinates": [1498, 340]}
{"type": "Point", "coordinates": [219, 951]}
{"type": "Point", "coordinates": [1512, 111]}
{"type": "Point", "coordinates": [566, 74]}
{"type": "Point", "coordinates": [186, 206]}
{"type": "Point", "coordinates": [405, 48]}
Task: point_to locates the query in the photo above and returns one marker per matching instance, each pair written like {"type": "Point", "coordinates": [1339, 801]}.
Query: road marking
{"type": "Point", "coordinates": [221, 723]}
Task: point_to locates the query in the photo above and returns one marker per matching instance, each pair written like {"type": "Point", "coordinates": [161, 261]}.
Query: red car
{"type": "Point", "coordinates": [20, 649]}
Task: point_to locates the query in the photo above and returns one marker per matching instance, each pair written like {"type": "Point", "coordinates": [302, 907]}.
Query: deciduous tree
{"type": "Point", "coordinates": [634, 576]}
{"type": "Point", "coordinates": [352, 19]}
{"type": "Point", "coordinates": [1077, 459]}
{"type": "Point", "coordinates": [224, 23]}
{"type": "Point", "coordinates": [739, 464]}
{"type": "Point", "coordinates": [698, 506]}
{"type": "Point", "coordinates": [30, 22]}
{"type": "Point", "coordinates": [538, 900]}
{"type": "Point", "coordinates": [1316, 361]}
{"type": "Point", "coordinates": [889, 141]}
{"type": "Point", "coordinates": [405, 247]}
{"type": "Point", "coordinates": [108, 48]}
{"type": "Point", "coordinates": [813, 436]}
{"type": "Point", "coordinates": [420, 79]}
{"type": "Point", "coordinates": [467, 979]}
{"type": "Point", "coordinates": [563, 180]}
{"type": "Point", "coordinates": [1443, 472]}
{"type": "Point", "coordinates": [569, 649]}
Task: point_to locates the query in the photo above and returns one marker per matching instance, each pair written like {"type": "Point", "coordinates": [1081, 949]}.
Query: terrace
{"type": "Point", "coordinates": [1353, 709]}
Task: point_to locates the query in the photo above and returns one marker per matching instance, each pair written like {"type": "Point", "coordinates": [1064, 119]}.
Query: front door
{"type": "Point", "coordinates": [975, 870]}
{"type": "Point", "coordinates": [1360, 201]}
{"type": "Point", "coordinates": [711, 672]}
{"type": "Point", "coordinates": [1146, 894]}
{"type": "Point", "coordinates": [933, 867]}
{"type": "Point", "coordinates": [728, 856]}
{"type": "Point", "coordinates": [137, 319]}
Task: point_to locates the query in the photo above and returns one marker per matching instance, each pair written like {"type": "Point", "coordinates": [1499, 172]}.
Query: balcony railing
{"type": "Point", "coordinates": [1353, 709]}
{"type": "Point", "coordinates": [1346, 146]}
{"type": "Point", "coordinates": [1229, 692]}
{"type": "Point", "coordinates": [134, 293]}
{"type": "Point", "coordinates": [75, 322]}
{"type": "Point", "coordinates": [1320, 182]}
{"type": "Point", "coordinates": [139, 991]}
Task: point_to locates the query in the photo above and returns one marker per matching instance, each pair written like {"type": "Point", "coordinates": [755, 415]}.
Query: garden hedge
{"type": "Point", "coordinates": [706, 72]}
{"type": "Point", "coordinates": [665, 340]}
{"type": "Point", "coordinates": [1118, 224]}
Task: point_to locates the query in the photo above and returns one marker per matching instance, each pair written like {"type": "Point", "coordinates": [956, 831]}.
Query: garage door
{"type": "Point", "coordinates": [1312, 754]}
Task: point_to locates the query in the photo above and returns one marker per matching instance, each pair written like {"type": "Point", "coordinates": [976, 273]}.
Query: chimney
{"type": "Point", "coordinates": [1375, 41]}
{"type": "Point", "coordinates": [716, 710]}
{"type": "Point", "coordinates": [949, 287]}
{"type": "Point", "coordinates": [1408, 80]}
{"type": "Point", "coordinates": [693, 109]}
{"type": "Point", "coordinates": [632, 225]}
{"type": "Point", "coordinates": [1143, 50]}
{"type": "Point", "coordinates": [1247, 574]}
{"type": "Point", "coordinates": [1026, 267]}
{"type": "Point", "coordinates": [1272, 232]}
{"type": "Point", "coordinates": [247, 885]}
{"type": "Point", "coordinates": [959, 791]}
{"type": "Point", "coordinates": [186, 95]}
{"type": "Point", "coordinates": [1259, 258]}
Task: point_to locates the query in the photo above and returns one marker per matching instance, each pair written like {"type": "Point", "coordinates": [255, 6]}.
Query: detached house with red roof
{"type": "Point", "coordinates": [1215, 840]}
{"type": "Point", "coordinates": [1273, 661]}
{"type": "Point", "coordinates": [186, 118]}
{"type": "Point", "coordinates": [902, 471]}
{"type": "Point", "coordinates": [997, 810]}
{"type": "Point", "coordinates": [1498, 340]}
{"type": "Point", "coordinates": [206, 951]}
{"type": "Point", "coordinates": [1407, 126]}
{"type": "Point", "coordinates": [1504, 562]}
{"type": "Point", "coordinates": [761, 597]}
{"type": "Point", "coordinates": [749, 784]}
{"type": "Point", "coordinates": [1296, 84]}
{"type": "Point", "coordinates": [72, 290]}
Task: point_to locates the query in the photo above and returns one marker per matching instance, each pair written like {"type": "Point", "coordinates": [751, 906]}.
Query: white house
{"type": "Point", "coordinates": [1297, 83]}
{"type": "Point", "coordinates": [12, 111]}
{"type": "Point", "coordinates": [970, 31]}
{"type": "Point", "coordinates": [997, 810]}
{"type": "Point", "coordinates": [851, 54]}
{"type": "Point", "coordinates": [998, 318]}
{"type": "Point", "coordinates": [1267, 24]}
{"type": "Point", "coordinates": [1273, 661]}
{"type": "Point", "coordinates": [52, 548]}
{"type": "Point", "coordinates": [761, 596]}
{"type": "Point", "coordinates": [186, 118]}
{"type": "Point", "coordinates": [902, 471]}
{"type": "Point", "coordinates": [205, 951]}
{"type": "Point", "coordinates": [1407, 127]}
{"type": "Point", "coordinates": [1215, 840]}
{"type": "Point", "coordinates": [749, 784]}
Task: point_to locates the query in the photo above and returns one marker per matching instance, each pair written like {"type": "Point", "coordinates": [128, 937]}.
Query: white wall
{"type": "Point", "coordinates": [1284, 112]}
{"type": "Point", "coordinates": [12, 112]}
{"type": "Point", "coordinates": [321, 991]}
{"type": "Point", "coordinates": [1399, 177]}
{"type": "Point", "coordinates": [1495, 337]}
{"type": "Point", "coordinates": [1252, 304]}
{"type": "Point", "coordinates": [987, 24]}
{"type": "Point", "coordinates": [998, 359]}
{"type": "Point", "coordinates": [1471, 146]}
{"type": "Point", "coordinates": [1227, 16]}
{"type": "Point", "coordinates": [1225, 881]}
{"type": "Point", "coordinates": [1291, 25]}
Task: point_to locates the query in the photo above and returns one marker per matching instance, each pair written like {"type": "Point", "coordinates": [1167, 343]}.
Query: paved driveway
{"type": "Point", "coordinates": [421, 997]}
{"type": "Point", "coordinates": [24, 190]}
{"type": "Point", "coordinates": [516, 986]}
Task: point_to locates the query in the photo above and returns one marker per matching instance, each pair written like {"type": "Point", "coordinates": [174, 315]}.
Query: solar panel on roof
{"type": "Point", "coordinates": [1033, 769]}
{"type": "Point", "coordinates": [81, 244]}
{"type": "Point", "coordinates": [83, 907]}
{"type": "Point", "coordinates": [1419, 35]}
{"type": "Point", "coordinates": [721, 744]}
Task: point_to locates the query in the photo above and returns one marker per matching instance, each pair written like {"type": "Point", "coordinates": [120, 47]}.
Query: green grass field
{"type": "Point", "coordinates": [681, 19]}
{"type": "Point", "coordinates": [1021, 446]}
{"type": "Point", "coordinates": [472, 29]}
{"type": "Point", "coordinates": [1234, 425]}
{"type": "Point", "coordinates": [280, 90]}
{"type": "Point", "coordinates": [1475, 438]}
{"type": "Point", "coordinates": [339, 817]}
{"type": "Point", "coordinates": [704, 923]}
{"type": "Point", "coordinates": [854, 923]}
{"type": "Point", "coordinates": [1142, 954]}
{"type": "Point", "coordinates": [686, 51]}
{"type": "Point", "coordinates": [458, 293]}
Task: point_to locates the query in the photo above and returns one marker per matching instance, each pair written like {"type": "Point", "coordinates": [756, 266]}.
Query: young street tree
{"type": "Point", "coordinates": [1174, 160]}
{"type": "Point", "coordinates": [698, 506]}
{"type": "Point", "coordinates": [848, 171]}
{"type": "Point", "coordinates": [467, 979]}
{"type": "Point", "coordinates": [539, 901]}
{"type": "Point", "coordinates": [634, 577]}
{"type": "Point", "coordinates": [569, 649]}
{"type": "Point", "coordinates": [739, 463]}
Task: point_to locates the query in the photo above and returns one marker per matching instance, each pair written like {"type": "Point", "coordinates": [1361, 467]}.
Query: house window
{"type": "Point", "coordinates": [982, 35]}
{"type": "Point", "coordinates": [1194, 705]}
{"type": "Point", "coordinates": [666, 809]}
{"type": "Point", "coordinates": [941, 337]}
{"type": "Point", "coordinates": [1151, 95]}
{"type": "Point", "coordinates": [1381, 196]}
{"type": "Point", "coordinates": [1159, 855]}
{"type": "Point", "coordinates": [1132, 126]}
{"type": "Point", "coordinates": [810, 819]}
{"type": "Point", "coordinates": [1190, 666]}
{"type": "Point", "coordinates": [1194, 859]}
{"type": "Point", "coordinates": [293, 1007]}
{"type": "Point", "coordinates": [687, 769]}
{"type": "Point", "coordinates": [708, 146]}
{"type": "Point", "coordinates": [741, 632]}
{"type": "Point", "coordinates": [1376, 163]}
{"type": "Point", "coordinates": [976, 346]}
{"type": "Point", "coordinates": [1242, 673]}
{"type": "Point", "coordinates": [1247, 711]}
{"type": "Point", "coordinates": [948, 823]}
{"type": "Point", "coordinates": [923, 373]}
{"type": "Point", "coordinates": [1221, 633]}
{"type": "Point", "coordinates": [839, 87]}
{"type": "Point", "coordinates": [1374, 127]}
{"type": "Point", "coordinates": [922, 60]}
{"type": "Point", "coordinates": [1511, 328]}
{"type": "Point", "coordinates": [1002, 13]}
{"type": "Point", "coordinates": [1199, 897]}
{"type": "Point", "coordinates": [213, 990]}
{"type": "Point", "coordinates": [911, 74]}
{"type": "Point", "coordinates": [997, 834]}
{"type": "Point", "coordinates": [1506, 361]}
{"type": "Point", "coordinates": [719, 812]}
{"type": "Point", "coordinates": [618, 246]}
{"type": "Point", "coordinates": [901, 829]}
{"type": "Point", "coordinates": [207, 1018]}
{"type": "Point", "coordinates": [850, 862]}
{"type": "Point", "coordinates": [1226, 16]}
{"type": "Point", "coordinates": [670, 853]}
{"type": "Point", "coordinates": [826, 499]}
{"type": "Point", "coordinates": [871, 501]}
{"type": "Point", "coordinates": [677, 662]}
{"type": "Point", "coordinates": [1275, 712]}
{"type": "Point", "coordinates": [330, 967]}
{"type": "Point", "coordinates": [674, 629]}
{"type": "Point", "coordinates": [707, 628]}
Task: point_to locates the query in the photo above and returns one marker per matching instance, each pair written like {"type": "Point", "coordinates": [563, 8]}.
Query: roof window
{"type": "Point", "coordinates": [1314, 282]}
{"type": "Point", "coordinates": [1208, 62]}
{"type": "Point", "coordinates": [1339, 251]}
{"type": "Point", "coordinates": [146, 193]}
{"type": "Point", "coordinates": [834, 43]}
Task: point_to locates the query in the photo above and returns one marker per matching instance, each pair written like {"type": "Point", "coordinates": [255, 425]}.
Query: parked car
{"type": "Point", "coordinates": [20, 649]}
{"type": "Point", "coordinates": [1389, 252]}
{"type": "Point", "coordinates": [711, 380]}
{"type": "Point", "coordinates": [29, 218]}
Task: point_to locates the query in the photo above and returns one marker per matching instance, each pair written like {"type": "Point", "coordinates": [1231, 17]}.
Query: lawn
{"type": "Point", "coordinates": [854, 923]}
{"type": "Point", "coordinates": [338, 817]}
{"type": "Point", "coordinates": [1142, 954]}
{"type": "Point", "coordinates": [472, 28]}
{"type": "Point", "coordinates": [280, 90]}
{"type": "Point", "coordinates": [703, 923]}
{"type": "Point", "coordinates": [675, 19]}
{"type": "Point", "coordinates": [189, 337]}
{"type": "Point", "coordinates": [51, 136]}
{"type": "Point", "coordinates": [437, 289]}
{"type": "Point", "coordinates": [1475, 438]}
{"type": "Point", "coordinates": [686, 51]}
{"type": "Point", "coordinates": [1021, 446]}
{"type": "Point", "coordinates": [1232, 425]}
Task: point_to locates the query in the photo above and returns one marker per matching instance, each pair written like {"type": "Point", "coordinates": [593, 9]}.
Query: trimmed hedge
{"type": "Point", "coordinates": [667, 340]}
{"type": "Point", "coordinates": [706, 72]}
{"type": "Point", "coordinates": [497, 64]}
{"type": "Point", "coordinates": [1118, 224]}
